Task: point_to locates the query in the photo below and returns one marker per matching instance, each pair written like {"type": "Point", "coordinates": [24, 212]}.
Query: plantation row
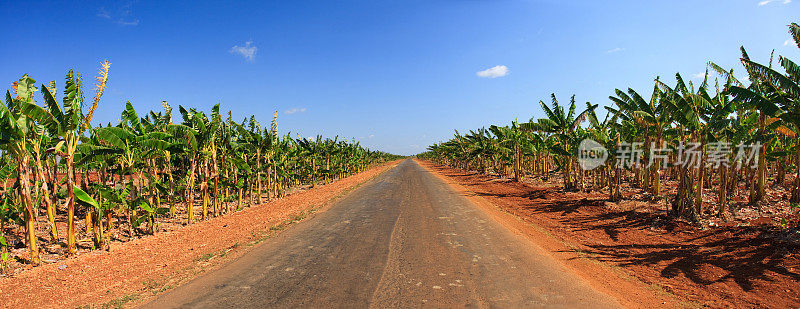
{"type": "Point", "coordinates": [719, 119]}
{"type": "Point", "coordinates": [143, 168]}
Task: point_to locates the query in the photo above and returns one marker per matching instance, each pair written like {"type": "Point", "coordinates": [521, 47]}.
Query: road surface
{"type": "Point", "coordinates": [403, 239]}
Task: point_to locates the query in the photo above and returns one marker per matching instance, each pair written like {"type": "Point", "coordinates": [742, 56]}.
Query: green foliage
{"type": "Point", "coordinates": [4, 256]}
{"type": "Point", "coordinates": [84, 198]}
{"type": "Point", "coordinates": [12, 210]}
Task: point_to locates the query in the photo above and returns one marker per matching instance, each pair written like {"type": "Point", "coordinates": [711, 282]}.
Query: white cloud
{"type": "Point", "coordinates": [248, 51]}
{"type": "Point", "coordinates": [618, 49]}
{"type": "Point", "coordinates": [787, 42]}
{"type": "Point", "coordinates": [295, 110]}
{"type": "Point", "coordinates": [371, 135]}
{"type": "Point", "coordinates": [103, 14]}
{"type": "Point", "coordinates": [128, 23]}
{"type": "Point", "coordinates": [494, 72]}
{"type": "Point", "coordinates": [700, 75]}
{"type": "Point", "coordinates": [124, 16]}
{"type": "Point", "coordinates": [765, 2]}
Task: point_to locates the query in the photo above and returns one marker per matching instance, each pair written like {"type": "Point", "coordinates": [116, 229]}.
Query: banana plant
{"type": "Point", "coordinates": [4, 255]}
{"type": "Point", "coordinates": [16, 117]}
{"type": "Point", "coordinates": [118, 197]}
{"type": "Point", "coordinates": [150, 214]}
{"type": "Point", "coordinates": [563, 123]}
{"type": "Point", "coordinates": [9, 212]}
{"type": "Point", "coordinates": [130, 144]}
{"type": "Point", "coordinates": [775, 94]}
{"type": "Point", "coordinates": [513, 140]}
{"type": "Point", "coordinates": [12, 211]}
{"type": "Point", "coordinates": [88, 201]}
{"type": "Point", "coordinates": [68, 126]}
{"type": "Point", "coordinates": [243, 173]}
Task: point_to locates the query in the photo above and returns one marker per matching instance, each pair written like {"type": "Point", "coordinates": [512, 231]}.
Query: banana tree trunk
{"type": "Point", "coordinates": [170, 198]}
{"type": "Point", "coordinates": [733, 179]}
{"type": "Point", "coordinates": [225, 197]}
{"type": "Point", "coordinates": [752, 184]}
{"type": "Point", "coordinates": [54, 186]}
{"type": "Point", "coordinates": [131, 216]}
{"type": "Point", "coordinates": [204, 187]}
{"type": "Point", "coordinates": [684, 205]}
{"type": "Point", "coordinates": [83, 183]}
{"type": "Point", "coordinates": [250, 187]}
{"type": "Point", "coordinates": [239, 199]}
{"type": "Point", "coordinates": [131, 210]}
{"type": "Point", "coordinates": [796, 191]}
{"type": "Point", "coordinates": [50, 206]}
{"type": "Point", "coordinates": [25, 194]}
{"type": "Point", "coordinates": [762, 164]}
{"type": "Point", "coordinates": [153, 223]}
{"type": "Point", "coordinates": [258, 173]}
{"type": "Point", "coordinates": [645, 171]}
{"type": "Point", "coordinates": [71, 249]}
{"type": "Point", "coordinates": [568, 184]}
{"type": "Point", "coordinates": [698, 199]}
{"type": "Point", "coordinates": [678, 205]}
{"type": "Point", "coordinates": [617, 195]}
{"type": "Point", "coordinates": [153, 188]}
{"type": "Point", "coordinates": [517, 163]}
{"type": "Point", "coordinates": [97, 229]}
{"type": "Point", "coordinates": [88, 220]}
{"type": "Point", "coordinates": [109, 221]}
{"type": "Point", "coordinates": [270, 181]}
{"type": "Point", "coordinates": [656, 172]}
{"type": "Point", "coordinates": [215, 171]}
{"type": "Point", "coordinates": [723, 192]}
{"type": "Point", "coordinates": [190, 191]}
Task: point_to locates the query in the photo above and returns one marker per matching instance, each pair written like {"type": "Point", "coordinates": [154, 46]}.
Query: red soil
{"type": "Point", "coordinates": [135, 270]}
{"type": "Point", "coordinates": [727, 266]}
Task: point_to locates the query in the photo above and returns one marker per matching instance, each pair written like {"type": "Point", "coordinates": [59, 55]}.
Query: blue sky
{"type": "Point", "coordinates": [396, 75]}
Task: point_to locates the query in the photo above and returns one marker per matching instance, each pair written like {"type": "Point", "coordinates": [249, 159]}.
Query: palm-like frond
{"type": "Point", "coordinates": [794, 30]}
{"type": "Point", "coordinates": [776, 79]}
{"type": "Point", "coordinates": [113, 136]}
{"type": "Point", "coordinates": [73, 99]}
{"type": "Point", "coordinates": [728, 75]}
{"type": "Point", "coordinates": [754, 100]}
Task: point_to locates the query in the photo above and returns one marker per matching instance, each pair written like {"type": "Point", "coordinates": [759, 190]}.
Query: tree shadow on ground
{"type": "Point", "coordinates": [744, 256]}
{"type": "Point", "coordinates": [741, 254]}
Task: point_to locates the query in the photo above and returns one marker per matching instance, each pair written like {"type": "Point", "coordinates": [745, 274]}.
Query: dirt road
{"type": "Point", "coordinates": [403, 239]}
